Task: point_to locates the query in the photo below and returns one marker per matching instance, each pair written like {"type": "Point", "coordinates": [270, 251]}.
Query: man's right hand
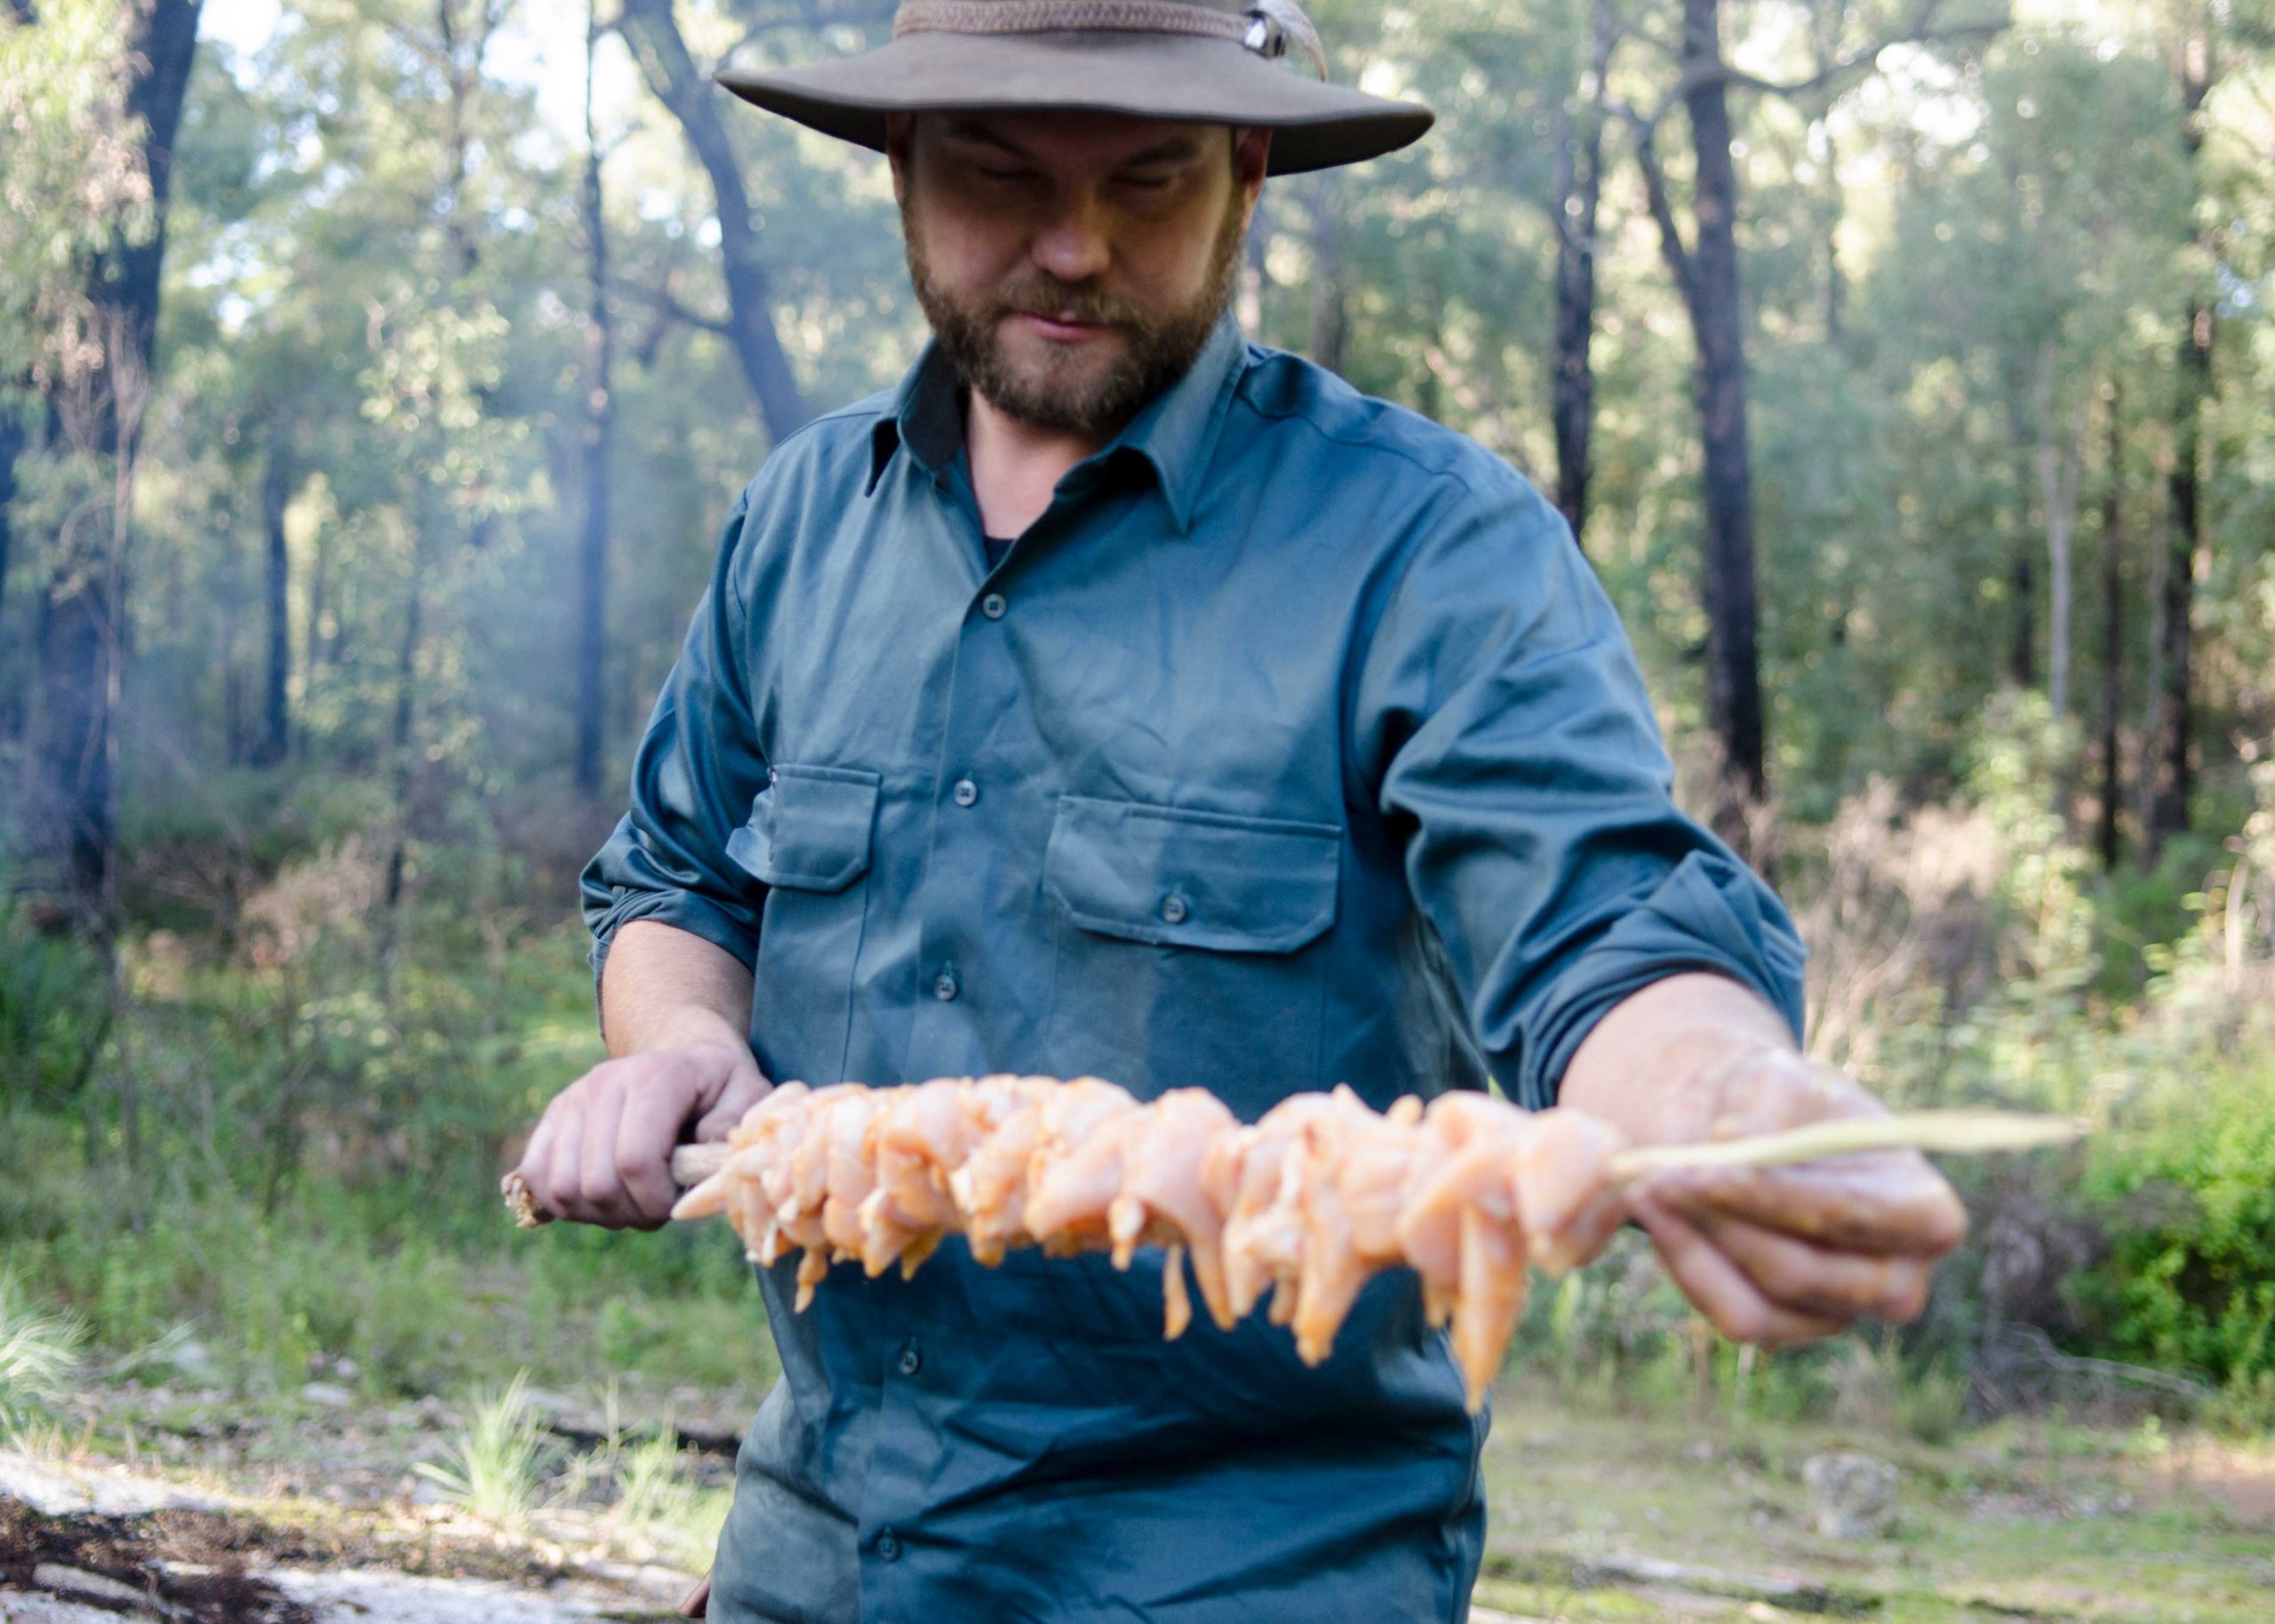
{"type": "Point", "coordinates": [602, 1152]}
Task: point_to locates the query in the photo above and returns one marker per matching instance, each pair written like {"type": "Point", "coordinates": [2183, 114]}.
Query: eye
{"type": "Point", "coordinates": [1146, 183]}
{"type": "Point", "coordinates": [1003, 174]}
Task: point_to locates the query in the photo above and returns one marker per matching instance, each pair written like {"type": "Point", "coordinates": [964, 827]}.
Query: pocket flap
{"type": "Point", "coordinates": [809, 828]}
{"type": "Point", "coordinates": [1186, 879]}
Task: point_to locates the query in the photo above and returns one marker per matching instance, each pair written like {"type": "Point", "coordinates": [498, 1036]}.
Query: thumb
{"type": "Point", "coordinates": [744, 1087]}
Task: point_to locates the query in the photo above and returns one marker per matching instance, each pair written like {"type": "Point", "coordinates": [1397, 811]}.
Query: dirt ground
{"type": "Point", "coordinates": [192, 1508]}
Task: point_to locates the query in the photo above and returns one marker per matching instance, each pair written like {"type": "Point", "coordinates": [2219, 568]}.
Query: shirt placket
{"type": "Point", "coordinates": [957, 1030]}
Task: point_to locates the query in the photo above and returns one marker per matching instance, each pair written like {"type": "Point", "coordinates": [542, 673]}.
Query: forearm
{"type": "Point", "coordinates": [667, 989]}
{"type": "Point", "coordinates": [1652, 1066]}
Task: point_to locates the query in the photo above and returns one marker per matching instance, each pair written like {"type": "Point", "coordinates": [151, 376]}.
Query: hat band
{"type": "Point", "coordinates": [1265, 29]}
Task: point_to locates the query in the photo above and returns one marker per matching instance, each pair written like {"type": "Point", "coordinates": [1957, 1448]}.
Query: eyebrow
{"type": "Point", "coordinates": [1177, 149]}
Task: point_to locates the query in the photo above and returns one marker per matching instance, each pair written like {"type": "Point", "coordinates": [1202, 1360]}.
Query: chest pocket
{"type": "Point", "coordinates": [808, 839]}
{"type": "Point", "coordinates": [1183, 955]}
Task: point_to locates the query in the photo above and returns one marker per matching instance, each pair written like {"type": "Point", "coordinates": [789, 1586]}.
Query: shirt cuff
{"type": "Point", "coordinates": [1709, 913]}
{"type": "Point", "coordinates": [682, 910]}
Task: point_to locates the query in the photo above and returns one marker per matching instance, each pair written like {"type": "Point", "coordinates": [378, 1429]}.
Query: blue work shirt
{"type": "Point", "coordinates": [1295, 744]}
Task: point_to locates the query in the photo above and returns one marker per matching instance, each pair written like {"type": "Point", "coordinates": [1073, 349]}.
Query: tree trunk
{"type": "Point", "coordinates": [1718, 320]}
{"type": "Point", "coordinates": [2169, 763]}
{"type": "Point", "coordinates": [650, 28]}
{"type": "Point", "coordinates": [276, 711]}
{"type": "Point", "coordinates": [599, 446]}
{"type": "Point", "coordinates": [313, 642]}
{"type": "Point", "coordinates": [1579, 189]}
{"type": "Point", "coordinates": [2021, 634]}
{"type": "Point", "coordinates": [14, 437]}
{"type": "Point", "coordinates": [1331, 327]}
{"type": "Point", "coordinates": [2059, 455]}
{"type": "Point", "coordinates": [73, 768]}
{"type": "Point", "coordinates": [229, 596]}
{"type": "Point", "coordinates": [2169, 769]}
{"type": "Point", "coordinates": [2113, 632]}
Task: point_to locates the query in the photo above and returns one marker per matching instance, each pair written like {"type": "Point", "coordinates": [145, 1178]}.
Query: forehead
{"type": "Point", "coordinates": [1074, 137]}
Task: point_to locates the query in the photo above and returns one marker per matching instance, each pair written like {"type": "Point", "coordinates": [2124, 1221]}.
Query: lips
{"type": "Point", "coordinates": [1064, 328]}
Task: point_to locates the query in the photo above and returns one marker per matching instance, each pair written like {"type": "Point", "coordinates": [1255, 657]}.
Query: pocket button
{"type": "Point", "coordinates": [1174, 909]}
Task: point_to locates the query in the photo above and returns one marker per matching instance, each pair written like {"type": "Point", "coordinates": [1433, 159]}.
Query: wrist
{"type": "Point", "coordinates": [685, 1031]}
{"type": "Point", "coordinates": [1659, 1064]}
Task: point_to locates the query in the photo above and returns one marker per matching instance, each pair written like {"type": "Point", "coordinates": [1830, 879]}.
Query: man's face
{"type": "Point", "coordinates": [1073, 264]}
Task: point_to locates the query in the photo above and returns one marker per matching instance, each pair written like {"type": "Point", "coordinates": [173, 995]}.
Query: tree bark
{"type": "Point", "coordinates": [2059, 459]}
{"type": "Point", "coordinates": [82, 632]}
{"type": "Point", "coordinates": [276, 711]}
{"type": "Point", "coordinates": [2113, 632]}
{"type": "Point", "coordinates": [1330, 325]}
{"type": "Point", "coordinates": [599, 447]}
{"type": "Point", "coordinates": [2170, 770]}
{"type": "Point", "coordinates": [650, 29]}
{"type": "Point", "coordinates": [1718, 320]}
{"type": "Point", "coordinates": [14, 437]}
{"type": "Point", "coordinates": [1579, 189]}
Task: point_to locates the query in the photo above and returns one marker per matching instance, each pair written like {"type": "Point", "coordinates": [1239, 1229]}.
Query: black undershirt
{"type": "Point", "coordinates": [996, 546]}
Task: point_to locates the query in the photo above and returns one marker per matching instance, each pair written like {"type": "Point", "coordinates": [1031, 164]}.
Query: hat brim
{"type": "Point", "coordinates": [1314, 126]}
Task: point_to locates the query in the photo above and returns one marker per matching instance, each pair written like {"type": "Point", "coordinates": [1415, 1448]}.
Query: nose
{"type": "Point", "coordinates": [1071, 244]}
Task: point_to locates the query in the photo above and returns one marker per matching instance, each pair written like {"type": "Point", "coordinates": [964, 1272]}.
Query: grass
{"type": "Point", "coordinates": [493, 1465]}
{"type": "Point", "coordinates": [39, 1353]}
{"type": "Point", "coordinates": [2029, 1519]}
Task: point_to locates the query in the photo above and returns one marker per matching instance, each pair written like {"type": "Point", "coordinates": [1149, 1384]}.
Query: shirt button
{"type": "Point", "coordinates": [912, 1359]}
{"type": "Point", "coordinates": [945, 986]}
{"type": "Point", "coordinates": [992, 606]}
{"type": "Point", "coordinates": [888, 1545]}
{"type": "Point", "coordinates": [1174, 909]}
{"type": "Point", "coordinates": [966, 792]}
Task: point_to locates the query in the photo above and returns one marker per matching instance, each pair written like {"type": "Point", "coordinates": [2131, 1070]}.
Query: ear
{"type": "Point", "coordinates": [1252, 157]}
{"type": "Point", "coordinates": [900, 136]}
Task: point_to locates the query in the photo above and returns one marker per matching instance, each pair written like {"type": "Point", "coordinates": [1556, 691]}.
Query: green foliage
{"type": "Point", "coordinates": [38, 1356]}
{"type": "Point", "coordinates": [493, 1464]}
{"type": "Point", "coordinates": [2189, 1189]}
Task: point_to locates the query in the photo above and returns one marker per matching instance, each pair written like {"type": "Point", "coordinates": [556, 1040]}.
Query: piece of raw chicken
{"type": "Point", "coordinates": [1309, 1202]}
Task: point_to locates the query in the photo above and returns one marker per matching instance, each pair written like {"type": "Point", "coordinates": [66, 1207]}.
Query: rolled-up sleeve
{"type": "Point", "coordinates": [1517, 756]}
{"type": "Point", "coordinates": [697, 769]}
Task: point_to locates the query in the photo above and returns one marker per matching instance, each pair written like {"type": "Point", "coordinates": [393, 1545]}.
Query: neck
{"type": "Point", "coordinates": [1016, 465]}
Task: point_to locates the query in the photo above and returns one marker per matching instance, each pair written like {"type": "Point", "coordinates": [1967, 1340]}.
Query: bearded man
{"type": "Point", "coordinates": [1119, 696]}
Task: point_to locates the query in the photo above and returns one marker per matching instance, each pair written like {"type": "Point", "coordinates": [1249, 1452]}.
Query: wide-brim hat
{"type": "Point", "coordinates": [1215, 61]}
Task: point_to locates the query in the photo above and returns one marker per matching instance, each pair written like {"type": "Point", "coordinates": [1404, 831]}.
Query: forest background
{"type": "Point", "coordinates": [375, 375]}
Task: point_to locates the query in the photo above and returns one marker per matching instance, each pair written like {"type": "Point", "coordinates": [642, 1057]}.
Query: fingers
{"type": "Point", "coordinates": [646, 1130]}
{"type": "Point", "coordinates": [1891, 1205]}
{"type": "Point", "coordinates": [602, 1153]}
{"type": "Point", "coordinates": [602, 1188]}
{"type": "Point", "coordinates": [744, 1086]}
{"type": "Point", "coordinates": [1810, 1279]}
{"type": "Point", "coordinates": [1718, 1287]}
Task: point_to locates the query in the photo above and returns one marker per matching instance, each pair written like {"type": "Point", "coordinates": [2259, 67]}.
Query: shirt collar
{"type": "Point", "coordinates": [1174, 433]}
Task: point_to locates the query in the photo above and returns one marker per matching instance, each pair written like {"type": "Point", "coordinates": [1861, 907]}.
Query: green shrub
{"type": "Point", "coordinates": [2186, 1191]}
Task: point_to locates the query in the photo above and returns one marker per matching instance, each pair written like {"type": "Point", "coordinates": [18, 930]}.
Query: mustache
{"type": "Point", "coordinates": [1057, 300]}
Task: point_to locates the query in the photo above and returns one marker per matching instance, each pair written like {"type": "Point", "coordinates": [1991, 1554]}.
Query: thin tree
{"type": "Point", "coordinates": [275, 708]}
{"type": "Point", "coordinates": [2113, 626]}
{"type": "Point", "coordinates": [1705, 272]}
{"type": "Point", "coordinates": [99, 409]}
{"type": "Point", "coordinates": [1578, 195]}
{"type": "Point", "coordinates": [2170, 773]}
{"type": "Point", "coordinates": [652, 31]}
{"type": "Point", "coordinates": [599, 444]}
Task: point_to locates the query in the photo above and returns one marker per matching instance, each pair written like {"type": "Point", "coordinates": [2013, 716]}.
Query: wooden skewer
{"type": "Point", "coordinates": [1959, 1133]}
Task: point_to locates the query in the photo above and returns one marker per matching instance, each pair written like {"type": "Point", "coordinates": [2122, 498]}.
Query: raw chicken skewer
{"type": "Point", "coordinates": [1307, 1203]}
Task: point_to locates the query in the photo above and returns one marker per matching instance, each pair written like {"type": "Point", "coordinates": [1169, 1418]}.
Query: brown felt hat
{"type": "Point", "coordinates": [1215, 61]}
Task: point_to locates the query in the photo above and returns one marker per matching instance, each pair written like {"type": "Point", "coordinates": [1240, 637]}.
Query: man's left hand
{"type": "Point", "coordinates": [1777, 1254]}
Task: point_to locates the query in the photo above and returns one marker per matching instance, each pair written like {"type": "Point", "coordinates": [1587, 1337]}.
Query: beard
{"type": "Point", "coordinates": [1066, 393]}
